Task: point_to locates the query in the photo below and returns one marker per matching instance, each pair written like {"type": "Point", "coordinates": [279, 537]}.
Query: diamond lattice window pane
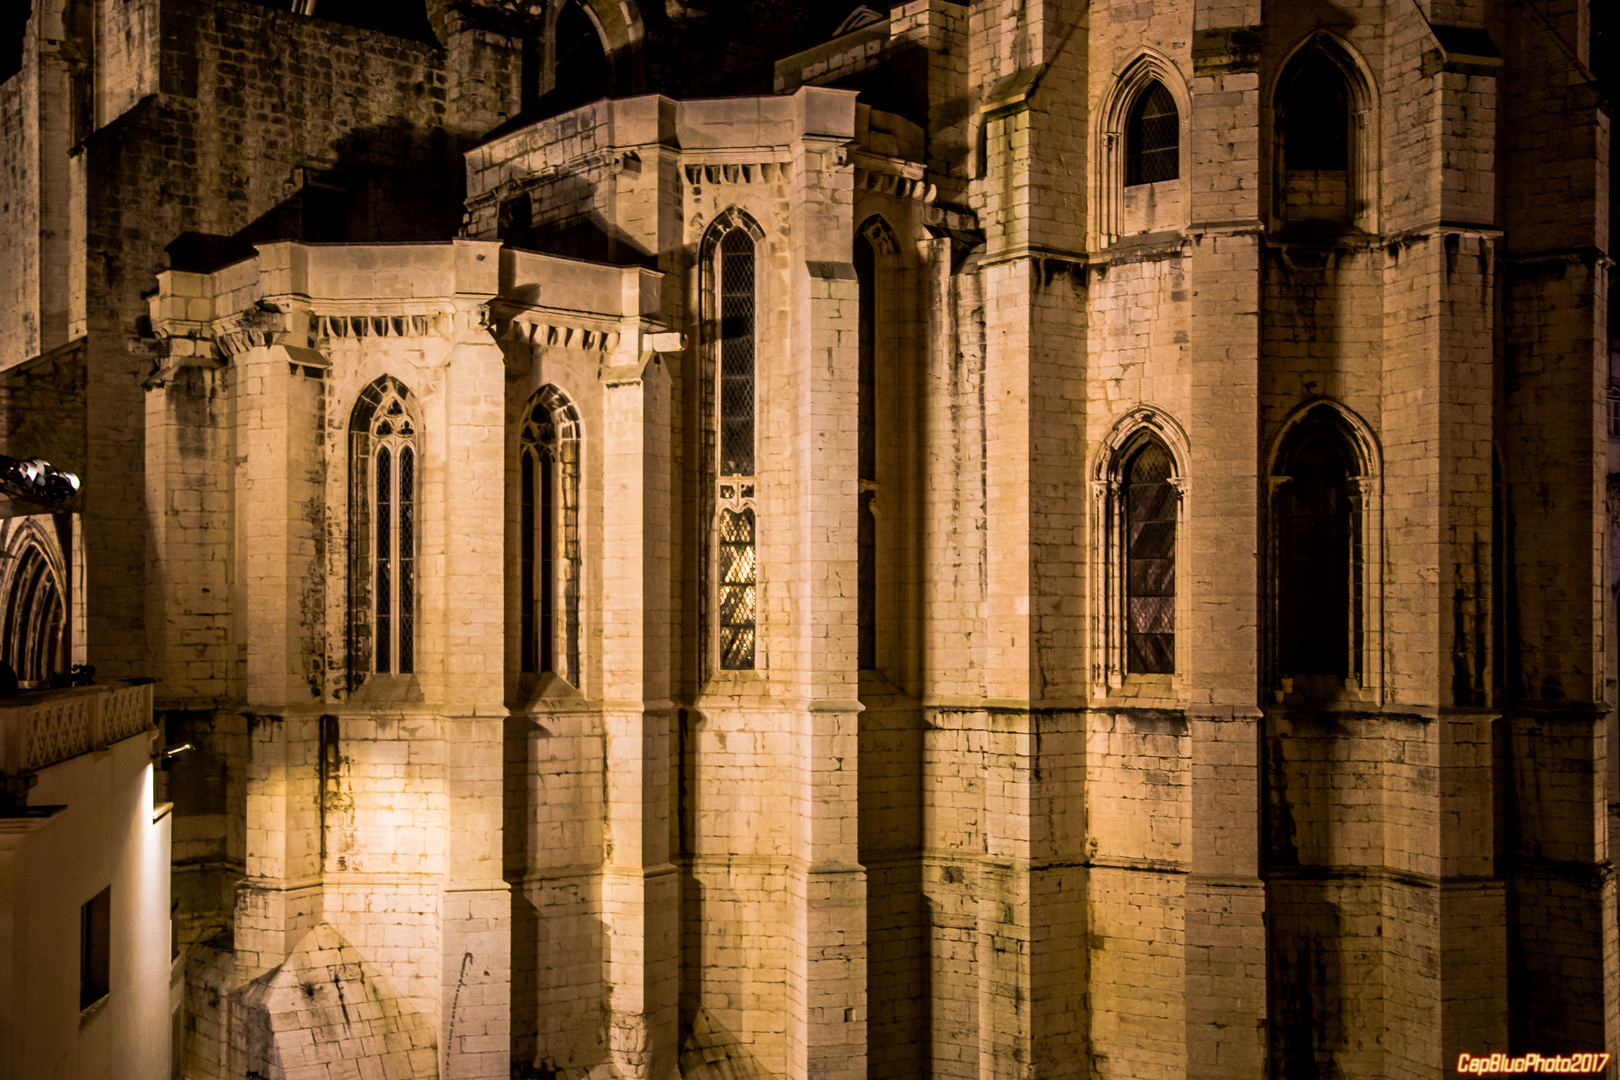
{"type": "Point", "coordinates": [737, 333]}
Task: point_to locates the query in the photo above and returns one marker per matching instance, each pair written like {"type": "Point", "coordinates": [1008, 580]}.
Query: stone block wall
{"type": "Point", "coordinates": [996, 851]}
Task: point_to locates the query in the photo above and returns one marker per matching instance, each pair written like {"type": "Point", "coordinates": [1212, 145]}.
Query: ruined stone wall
{"type": "Point", "coordinates": [999, 849]}
{"type": "Point", "coordinates": [19, 160]}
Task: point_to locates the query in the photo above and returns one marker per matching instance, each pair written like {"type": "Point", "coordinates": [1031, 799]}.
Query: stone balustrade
{"type": "Point", "coordinates": [42, 728]}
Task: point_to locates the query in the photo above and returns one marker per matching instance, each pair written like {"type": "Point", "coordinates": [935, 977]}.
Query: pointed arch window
{"type": "Point", "coordinates": [1317, 546]}
{"type": "Point", "coordinates": [549, 563]}
{"type": "Point", "coordinates": [582, 71]}
{"type": "Point", "coordinates": [1153, 137]}
{"type": "Point", "coordinates": [735, 271]}
{"type": "Point", "coordinates": [1149, 519]}
{"type": "Point", "coordinates": [35, 628]}
{"type": "Point", "coordinates": [1139, 183]}
{"type": "Point", "coordinates": [1314, 111]}
{"type": "Point", "coordinates": [384, 487]}
{"type": "Point", "coordinates": [731, 304]}
{"type": "Point", "coordinates": [1139, 490]}
{"type": "Point", "coordinates": [1322, 111]}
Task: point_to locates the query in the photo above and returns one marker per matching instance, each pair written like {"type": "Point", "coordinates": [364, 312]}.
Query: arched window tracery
{"type": "Point", "coordinates": [550, 562]}
{"type": "Point", "coordinates": [1318, 554]}
{"type": "Point", "coordinates": [865, 260]}
{"type": "Point", "coordinates": [1149, 539]}
{"type": "Point", "coordinates": [1322, 110]}
{"type": "Point", "coordinates": [1140, 493]}
{"type": "Point", "coordinates": [1140, 143]}
{"type": "Point", "coordinates": [1153, 137]}
{"type": "Point", "coordinates": [35, 616]}
{"type": "Point", "coordinates": [1325, 602]}
{"type": "Point", "coordinates": [730, 260]}
{"type": "Point", "coordinates": [385, 481]}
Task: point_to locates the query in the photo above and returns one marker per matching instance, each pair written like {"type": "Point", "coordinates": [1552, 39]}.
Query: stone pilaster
{"type": "Point", "coordinates": [1225, 936]}
{"type": "Point", "coordinates": [475, 909]}
{"type": "Point", "coordinates": [640, 889]}
{"type": "Point", "coordinates": [825, 995]}
{"type": "Point", "coordinates": [1563, 972]}
{"type": "Point", "coordinates": [279, 475]}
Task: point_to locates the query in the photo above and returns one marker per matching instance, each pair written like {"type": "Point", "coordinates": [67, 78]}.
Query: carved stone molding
{"type": "Point", "coordinates": [892, 176]}
{"type": "Point", "coordinates": [347, 327]}
{"type": "Point", "coordinates": [762, 172]}
{"type": "Point", "coordinates": [557, 335]}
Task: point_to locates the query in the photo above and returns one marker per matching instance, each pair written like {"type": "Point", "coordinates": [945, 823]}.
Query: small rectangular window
{"type": "Point", "coordinates": [1614, 415]}
{"type": "Point", "coordinates": [95, 922]}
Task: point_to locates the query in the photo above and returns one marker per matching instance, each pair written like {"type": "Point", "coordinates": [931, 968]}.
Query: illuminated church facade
{"type": "Point", "coordinates": [996, 540]}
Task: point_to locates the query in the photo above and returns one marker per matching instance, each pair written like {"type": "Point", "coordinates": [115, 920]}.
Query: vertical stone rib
{"type": "Point", "coordinates": [825, 994]}
{"type": "Point", "coordinates": [1225, 937]}
{"type": "Point", "coordinates": [640, 890]}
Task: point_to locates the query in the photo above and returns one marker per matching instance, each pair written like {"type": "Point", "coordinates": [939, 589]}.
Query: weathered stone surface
{"type": "Point", "coordinates": [954, 816]}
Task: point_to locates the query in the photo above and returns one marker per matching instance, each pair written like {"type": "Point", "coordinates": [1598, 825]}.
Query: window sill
{"type": "Point", "coordinates": [547, 692]}
{"type": "Point", "coordinates": [1141, 692]}
{"type": "Point", "coordinates": [385, 689]}
{"type": "Point", "coordinates": [749, 685]}
{"type": "Point", "coordinates": [1331, 692]}
{"type": "Point", "coordinates": [94, 1009]}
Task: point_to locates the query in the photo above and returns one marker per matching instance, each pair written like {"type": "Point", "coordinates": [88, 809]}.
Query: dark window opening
{"type": "Point", "coordinates": [406, 20]}
{"type": "Point", "coordinates": [548, 567]}
{"type": "Point", "coordinates": [384, 481]}
{"type": "Point", "coordinates": [581, 72]}
{"type": "Point", "coordinates": [407, 559]}
{"type": "Point", "coordinates": [382, 527]}
{"type": "Point", "coordinates": [35, 629]}
{"type": "Point", "coordinates": [736, 278]}
{"type": "Point", "coordinates": [325, 214]}
{"type": "Point", "coordinates": [866, 585]}
{"type": "Point", "coordinates": [526, 543]}
{"type": "Point", "coordinates": [13, 39]}
{"type": "Point", "coordinates": [1319, 557]}
{"type": "Point", "coordinates": [549, 560]}
{"type": "Point", "coordinates": [95, 948]}
{"type": "Point", "coordinates": [866, 378]}
{"type": "Point", "coordinates": [529, 75]}
{"type": "Point", "coordinates": [1153, 138]}
{"type": "Point", "coordinates": [865, 260]}
{"type": "Point", "coordinates": [1315, 116]}
{"type": "Point", "coordinates": [1150, 562]}
{"type": "Point", "coordinates": [514, 225]}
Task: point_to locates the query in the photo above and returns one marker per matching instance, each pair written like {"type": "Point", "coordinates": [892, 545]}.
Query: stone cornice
{"type": "Point", "coordinates": [892, 176]}
{"type": "Point", "coordinates": [720, 168]}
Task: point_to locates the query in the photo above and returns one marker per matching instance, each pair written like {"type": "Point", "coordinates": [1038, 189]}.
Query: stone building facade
{"type": "Point", "coordinates": [1028, 539]}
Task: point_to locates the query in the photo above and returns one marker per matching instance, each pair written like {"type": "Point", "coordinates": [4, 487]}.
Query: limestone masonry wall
{"type": "Point", "coordinates": [1174, 604]}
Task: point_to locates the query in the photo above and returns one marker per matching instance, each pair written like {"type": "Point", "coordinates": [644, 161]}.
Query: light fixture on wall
{"type": "Point", "coordinates": [36, 480]}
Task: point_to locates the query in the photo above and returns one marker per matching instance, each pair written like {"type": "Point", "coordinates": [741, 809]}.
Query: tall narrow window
{"type": "Point", "coordinates": [866, 425]}
{"type": "Point", "coordinates": [1323, 171]}
{"type": "Point", "coordinates": [1153, 138]}
{"type": "Point", "coordinates": [95, 948]}
{"type": "Point", "coordinates": [35, 618]}
{"type": "Point", "coordinates": [731, 312]}
{"type": "Point", "coordinates": [581, 72]}
{"type": "Point", "coordinates": [1150, 564]}
{"type": "Point", "coordinates": [382, 525]}
{"type": "Point", "coordinates": [737, 342]}
{"type": "Point", "coordinates": [1318, 573]}
{"type": "Point", "coordinates": [1315, 114]}
{"type": "Point", "coordinates": [549, 543]}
